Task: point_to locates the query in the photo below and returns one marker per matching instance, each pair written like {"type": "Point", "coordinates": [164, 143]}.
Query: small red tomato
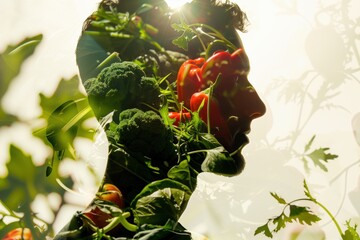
{"type": "Point", "coordinates": [112, 194]}
{"type": "Point", "coordinates": [19, 234]}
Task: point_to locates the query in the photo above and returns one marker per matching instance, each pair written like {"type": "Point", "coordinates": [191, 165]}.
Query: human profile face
{"type": "Point", "coordinates": [240, 104]}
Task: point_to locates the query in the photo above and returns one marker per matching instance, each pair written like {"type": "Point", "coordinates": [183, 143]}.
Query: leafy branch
{"type": "Point", "coordinates": [302, 215]}
{"type": "Point", "coordinates": [197, 30]}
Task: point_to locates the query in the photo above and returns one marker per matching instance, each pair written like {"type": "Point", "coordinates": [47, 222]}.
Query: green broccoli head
{"type": "Point", "coordinates": [144, 132]}
{"type": "Point", "coordinates": [121, 86]}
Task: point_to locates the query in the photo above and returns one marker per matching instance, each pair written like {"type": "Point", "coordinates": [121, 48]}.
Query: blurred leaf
{"type": "Point", "coordinates": [318, 156]}
{"type": "Point", "coordinates": [186, 35]}
{"type": "Point", "coordinates": [6, 119]}
{"type": "Point", "coordinates": [12, 59]}
{"type": "Point", "coordinates": [59, 132]}
{"type": "Point", "coordinates": [308, 145]}
{"type": "Point", "coordinates": [67, 89]}
{"type": "Point", "coordinates": [25, 180]}
{"type": "Point", "coordinates": [65, 112]}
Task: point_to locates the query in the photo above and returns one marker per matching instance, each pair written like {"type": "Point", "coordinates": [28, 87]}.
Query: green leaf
{"type": "Point", "coordinates": [186, 36]}
{"type": "Point", "coordinates": [25, 180]}
{"type": "Point", "coordinates": [320, 156]}
{"type": "Point", "coordinates": [278, 198]}
{"type": "Point", "coordinates": [184, 174]}
{"type": "Point", "coordinates": [160, 201]}
{"type": "Point", "coordinates": [6, 119]}
{"type": "Point", "coordinates": [60, 132]}
{"type": "Point", "coordinates": [171, 230]}
{"type": "Point", "coordinates": [219, 161]}
{"type": "Point", "coordinates": [23, 183]}
{"type": "Point", "coordinates": [65, 111]}
{"type": "Point", "coordinates": [351, 232]}
{"type": "Point", "coordinates": [67, 89]}
{"type": "Point", "coordinates": [303, 215]}
{"type": "Point", "coordinates": [280, 222]}
{"type": "Point", "coordinates": [265, 230]}
{"type": "Point", "coordinates": [12, 59]}
{"type": "Point", "coordinates": [307, 192]}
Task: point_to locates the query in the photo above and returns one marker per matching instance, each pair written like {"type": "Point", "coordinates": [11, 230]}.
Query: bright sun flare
{"type": "Point", "coordinates": [176, 3]}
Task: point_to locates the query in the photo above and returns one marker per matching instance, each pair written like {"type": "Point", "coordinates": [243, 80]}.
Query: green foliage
{"type": "Point", "coordinates": [351, 232]}
{"type": "Point", "coordinates": [187, 33]}
{"type": "Point", "coordinates": [184, 173]}
{"type": "Point", "coordinates": [63, 115]}
{"type": "Point", "coordinates": [290, 213]}
{"type": "Point", "coordinates": [302, 215]}
{"type": "Point", "coordinates": [160, 201]}
{"type": "Point", "coordinates": [113, 32]}
{"type": "Point", "coordinates": [171, 230]}
{"type": "Point", "coordinates": [11, 61]}
{"type": "Point", "coordinates": [19, 189]}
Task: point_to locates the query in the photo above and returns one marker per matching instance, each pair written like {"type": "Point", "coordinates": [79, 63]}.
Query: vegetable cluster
{"type": "Point", "coordinates": [159, 136]}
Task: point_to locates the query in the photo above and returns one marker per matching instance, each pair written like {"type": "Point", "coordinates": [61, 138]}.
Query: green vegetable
{"type": "Point", "coordinates": [121, 86]}
{"type": "Point", "coordinates": [144, 133]}
{"type": "Point", "coordinates": [160, 201]}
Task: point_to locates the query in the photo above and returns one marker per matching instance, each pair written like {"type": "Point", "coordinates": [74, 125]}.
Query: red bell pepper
{"type": "Point", "coordinates": [228, 65]}
{"type": "Point", "coordinates": [198, 74]}
{"type": "Point", "coordinates": [189, 79]}
{"type": "Point", "coordinates": [211, 114]}
{"type": "Point", "coordinates": [179, 117]}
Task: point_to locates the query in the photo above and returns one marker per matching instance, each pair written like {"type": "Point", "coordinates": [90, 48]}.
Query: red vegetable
{"type": "Point", "coordinates": [189, 79]}
{"type": "Point", "coordinates": [19, 234]}
{"type": "Point", "coordinates": [218, 124]}
{"type": "Point", "coordinates": [179, 117]}
{"type": "Point", "coordinates": [110, 193]}
{"type": "Point", "coordinates": [198, 74]}
{"type": "Point", "coordinates": [228, 65]}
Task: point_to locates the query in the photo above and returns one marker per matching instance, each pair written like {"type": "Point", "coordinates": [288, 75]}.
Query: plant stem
{"type": "Point", "coordinates": [331, 216]}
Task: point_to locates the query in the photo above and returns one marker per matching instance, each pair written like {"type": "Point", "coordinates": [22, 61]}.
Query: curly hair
{"type": "Point", "coordinates": [224, 15]}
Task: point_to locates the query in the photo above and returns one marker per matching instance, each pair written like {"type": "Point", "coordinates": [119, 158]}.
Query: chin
{"type": "Point", "coordinates": [240, 161]}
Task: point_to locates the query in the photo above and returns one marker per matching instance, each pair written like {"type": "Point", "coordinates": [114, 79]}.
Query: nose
{"type": "Point", "coordinates": [255, 107]}
{"type": "Point", "coordinates": [246, 104]}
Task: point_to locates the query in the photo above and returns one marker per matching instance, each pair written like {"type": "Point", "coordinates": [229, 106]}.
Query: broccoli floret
{"type": "Point", "coordinates": [121, 86]}
{"type": "Point", "coordinates": [144, 132]}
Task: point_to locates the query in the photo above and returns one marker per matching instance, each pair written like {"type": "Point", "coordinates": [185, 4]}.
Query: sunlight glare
{"type": "Point", "coordinates": [175, 4]}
